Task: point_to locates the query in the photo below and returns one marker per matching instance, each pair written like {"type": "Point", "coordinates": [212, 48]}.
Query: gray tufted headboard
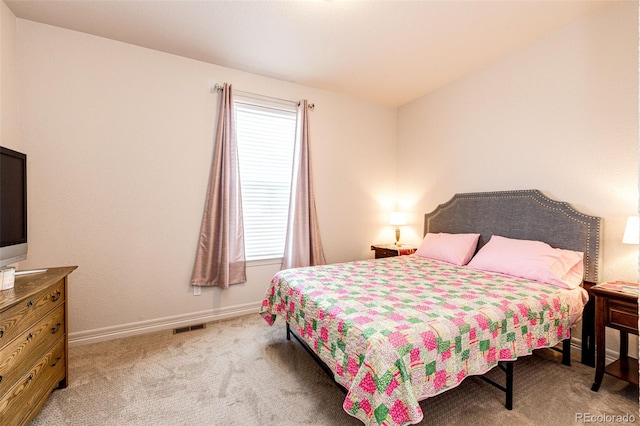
{"type": "Point", "coordinates": [522, 214]}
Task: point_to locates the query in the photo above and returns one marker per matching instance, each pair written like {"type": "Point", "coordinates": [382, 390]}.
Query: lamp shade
{"type": "Point", "coordinates": [631, 231]}
{"type": "Point", "coordinates": [398, 218]}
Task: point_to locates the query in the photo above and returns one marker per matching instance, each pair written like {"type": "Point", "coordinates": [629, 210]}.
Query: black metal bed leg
{"type": "Point", "coordinates": [509, 387]}
{"type": "Point", "coordinates": [507, 367]}
{"type": "Point", "coordinates": [288, 332]}
{"type": "Point", "coordinates": [566, 351]}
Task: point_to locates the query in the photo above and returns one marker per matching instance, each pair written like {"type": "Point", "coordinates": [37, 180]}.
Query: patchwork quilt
{"type": "Point", "coordinates": [398, 330]}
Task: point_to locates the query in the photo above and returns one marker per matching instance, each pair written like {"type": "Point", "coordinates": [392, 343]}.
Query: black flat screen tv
{"type": "Point", "coordinates": [13, 206]}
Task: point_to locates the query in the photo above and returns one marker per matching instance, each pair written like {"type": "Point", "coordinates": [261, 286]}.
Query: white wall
{"type": "Point", "coordinates": [8, 80]}
{"type": "Point", "coordinates": [120, 140]}
{"type": "Point", "coordinates": [560, 115]}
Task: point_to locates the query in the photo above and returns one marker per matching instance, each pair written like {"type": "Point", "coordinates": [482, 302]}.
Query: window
{"type": "Point", "coordinates": [266, 138]}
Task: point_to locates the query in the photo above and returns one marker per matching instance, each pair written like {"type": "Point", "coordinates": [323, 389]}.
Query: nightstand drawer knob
{"type": "Point", "coordinates": [29, 303]}
{"type": "Point", "coordinates": [55, 329]}
{"type": "Point", "coordinates": [55, 297]}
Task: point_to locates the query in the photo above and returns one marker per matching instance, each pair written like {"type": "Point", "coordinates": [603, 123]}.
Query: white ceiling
{"type": "Point", "coordinates": [390, 52]}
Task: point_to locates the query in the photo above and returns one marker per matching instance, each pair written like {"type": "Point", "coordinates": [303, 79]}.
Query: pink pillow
{"type": "Point", "coordinates": [452, 248]}
{"type": "Point", "coordinates": [533, 260]}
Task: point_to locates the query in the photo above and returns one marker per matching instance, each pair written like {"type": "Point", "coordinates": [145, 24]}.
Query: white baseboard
{"type": "Point", "coordinates": [159, 324]}
{"type": "Point", "coordinates": [609, 354]}
{"type": "Point", "coordinates": [176, 321]}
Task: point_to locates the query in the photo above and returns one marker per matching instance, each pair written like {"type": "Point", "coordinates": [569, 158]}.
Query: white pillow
{"type": "Point", "coordinates": [452, 248]}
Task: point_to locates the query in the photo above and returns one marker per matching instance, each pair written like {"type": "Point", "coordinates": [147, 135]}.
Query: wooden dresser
{"type": "Point", "coordinates": [33, 343]}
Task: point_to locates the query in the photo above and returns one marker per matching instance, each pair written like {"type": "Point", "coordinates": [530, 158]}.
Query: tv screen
{"type": "Point", "coordinates": [13, 206]}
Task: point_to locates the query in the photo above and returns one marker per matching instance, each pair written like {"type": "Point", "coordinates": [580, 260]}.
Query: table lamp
{"type": "Point", "coordinates": [398, 219]}
{"type": "Point", "coordinates": [631, 231]}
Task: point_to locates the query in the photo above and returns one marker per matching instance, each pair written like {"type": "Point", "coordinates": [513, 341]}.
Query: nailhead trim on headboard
{"type": "Point", "coordinates": [554, 218]}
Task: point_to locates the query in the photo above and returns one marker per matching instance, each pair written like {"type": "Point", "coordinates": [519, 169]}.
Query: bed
{"type": "Point", "coordinates": [398, 330]}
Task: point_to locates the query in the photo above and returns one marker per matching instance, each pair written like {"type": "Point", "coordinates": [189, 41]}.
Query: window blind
{"type": "Point", "coordinates": [266, 138]}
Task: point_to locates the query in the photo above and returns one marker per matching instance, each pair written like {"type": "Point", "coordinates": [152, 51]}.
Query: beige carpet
{"type": "Point", "coordinates": [243, 372]}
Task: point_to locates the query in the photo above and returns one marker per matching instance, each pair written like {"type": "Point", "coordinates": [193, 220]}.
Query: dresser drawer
{"type": "Point", "coordinates": [27, 395]}
{"type": "Point", "coordinates": [21, 353]}
{"type": "Point", "coordinates": [15, 320]}
{"type": "Point", "coordinates": [623, 315]}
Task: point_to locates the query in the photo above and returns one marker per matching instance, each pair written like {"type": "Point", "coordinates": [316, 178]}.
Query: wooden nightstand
{"type": "Point", "coordinates": [391, 250]}
{"type": "Point", "coordinates": [616, 307]}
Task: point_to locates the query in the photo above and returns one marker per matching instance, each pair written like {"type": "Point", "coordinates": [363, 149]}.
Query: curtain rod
{"type": "Point", "coordinates": [218, 88]}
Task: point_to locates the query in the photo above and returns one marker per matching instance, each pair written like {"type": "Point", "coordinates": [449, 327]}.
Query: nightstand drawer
{"type": "Point", "coordinates": [623, 315]}
{"type": "Point", "coordinates": [391, 250]}
{"type": "Point", "coordinates": [383, 252]}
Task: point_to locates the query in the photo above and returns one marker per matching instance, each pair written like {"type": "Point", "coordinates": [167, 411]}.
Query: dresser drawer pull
{"type": "Point", "coordinates": [55, 297]}
{"type": "Point", "coordinates": [29, 337]}
{"type": "Point", "coordinates": [29, 303]}
{"type": "Point", "coordinates": [56, 361]}
{"type": "Point", "coordinates": [29, 379]}
{"type": "Point", "coordinates": [55, 329]}
{"type": "Point", "coordinates": [1, 333]}
{"type": "Point", "coordinates": [0, 379]}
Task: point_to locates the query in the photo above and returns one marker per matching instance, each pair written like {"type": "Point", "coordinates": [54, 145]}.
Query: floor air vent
{"type": "Point", "coordinates": [189, 328]}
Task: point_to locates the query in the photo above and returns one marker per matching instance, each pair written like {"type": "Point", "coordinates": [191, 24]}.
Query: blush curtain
{"type": "Point", "coordinates": [220, 259]}
{"type": "Point", "coordinates": [302, 245]}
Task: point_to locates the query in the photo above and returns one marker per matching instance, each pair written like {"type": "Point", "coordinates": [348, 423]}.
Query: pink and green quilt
{"type": "Point", "coordinates": [397, 330]}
